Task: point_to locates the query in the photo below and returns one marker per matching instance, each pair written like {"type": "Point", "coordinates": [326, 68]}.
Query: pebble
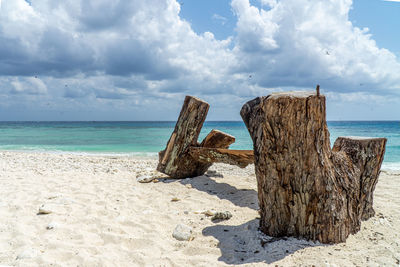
{"type": "Point", "coordinates": [208, 213]}
{"type": "Point", "coordinates": [27, 254]}
{"type": "Point", "coordinates": [45, 209]}
{"type": "Point", "coordinates": [175, 199]}
{"type": "Point", "coordinates": [182, 232]}
{"type": "Point", "coordinates": [52, 225]}
{"type": "Point", "coordinates": [189, 186]}
{"type": "Point", "coordinates": [145, 179]}
{"type": "Point", "coordinates": [226, 215]}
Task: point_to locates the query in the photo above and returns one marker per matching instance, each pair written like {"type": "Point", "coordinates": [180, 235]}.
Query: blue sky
{"type": "Point", "coordinates": [136, 60]}
{"type": "Point", "coordinates": [381, 17]}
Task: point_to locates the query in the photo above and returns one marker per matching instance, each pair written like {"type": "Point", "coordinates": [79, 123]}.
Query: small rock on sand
{"type": "Point", "coordinates": [208, 213]}
{"type": "Point", "coordinates": [226, 215]}
{"type": "Point", "coordinates": [28, 253]}
{"type": "Point", "coordinates": [182, 232]}
{"type": "Point", "coordinates": [45, 209]}
{"type": "Point", "coordinates": [52, 225]}
{"type": "Point", "coordinates": [145, 179]}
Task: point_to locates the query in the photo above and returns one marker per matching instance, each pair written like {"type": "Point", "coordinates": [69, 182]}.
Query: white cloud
{"type": "Point", "coordinates": [270, 3]}
{"type": "Point", "coordinates": [27, 85]}
{"type": "Point", "coordinates": [311, 42]}
{"type": "Point", "coordinates": [220, 18]}
{"type": "Point", "coordinates": [142, 54]}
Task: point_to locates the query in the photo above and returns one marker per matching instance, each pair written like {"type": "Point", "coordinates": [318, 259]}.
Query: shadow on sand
{"type": "Point", "coordinates": [244, 244]}
{"type": "Point", "coordinates": [239, 197]}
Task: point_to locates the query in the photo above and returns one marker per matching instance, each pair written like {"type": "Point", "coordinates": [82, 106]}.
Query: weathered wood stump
{"type": "Point", "coordinates": [305, 188]}
{"type": "Point", "coordinates": [185, 157]}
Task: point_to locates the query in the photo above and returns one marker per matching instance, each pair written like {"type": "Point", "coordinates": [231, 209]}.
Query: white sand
{"type": "Point", "coordinates": [101, 216]}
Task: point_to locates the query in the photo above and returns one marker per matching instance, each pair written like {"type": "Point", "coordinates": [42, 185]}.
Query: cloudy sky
{"type": "Point", "coordinates": [136, 60]}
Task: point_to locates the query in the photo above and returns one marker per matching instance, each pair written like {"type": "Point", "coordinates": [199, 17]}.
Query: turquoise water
{"type": "Point", "coordinates": [147, 138]}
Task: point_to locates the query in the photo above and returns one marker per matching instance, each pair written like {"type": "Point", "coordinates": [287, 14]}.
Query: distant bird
{"type": "Point", "coordinates": [36, 77]}
{"type": "Point", "coordinates": [361, 84]}
{"type": "Point", "coordinates": [250, 76]}
{"type": "Point", "coordinates": [66, 85]}
{"type": "Point", "coordinates": [327, 53]}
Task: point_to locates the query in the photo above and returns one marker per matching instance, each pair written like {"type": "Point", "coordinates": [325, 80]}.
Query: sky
{"type": "Point", "coordinates": [136, 60]}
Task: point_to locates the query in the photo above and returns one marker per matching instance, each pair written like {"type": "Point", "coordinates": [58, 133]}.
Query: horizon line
{"type": "Point", "coordinates": [8, 121]}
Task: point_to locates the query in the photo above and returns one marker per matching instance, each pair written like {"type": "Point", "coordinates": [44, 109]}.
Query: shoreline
{"type": "Point", "coordinates": [140, 155]}
{"type": "Point", "coordinates": [388, 167]}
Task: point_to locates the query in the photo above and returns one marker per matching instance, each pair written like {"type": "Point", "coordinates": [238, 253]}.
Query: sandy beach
{"type": "Point", "coordinates": [98, 214]}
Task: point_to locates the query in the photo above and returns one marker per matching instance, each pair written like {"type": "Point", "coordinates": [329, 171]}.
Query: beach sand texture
{"type": "Point", "coordinates": [99, 215]}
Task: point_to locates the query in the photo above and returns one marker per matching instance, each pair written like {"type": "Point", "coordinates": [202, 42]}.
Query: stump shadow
{"type": "Point", "coordinates": [239, 197]}
{"type": "Point", "coordinates": [245, 244]}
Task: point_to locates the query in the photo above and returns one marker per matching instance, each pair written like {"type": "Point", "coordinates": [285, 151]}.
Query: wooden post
{"type": "Point", "coordinates": [306, 189]}
{"type": "Point", "coordinates": [175, 160]}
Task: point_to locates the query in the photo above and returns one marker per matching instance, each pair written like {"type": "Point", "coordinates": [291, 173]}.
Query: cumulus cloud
{"type": "Point", "coordinates": [143, 54]}
{"type": "Point", "coordinates": [300, 43]}
{"type": "Point", "coordinates": [26, 85]}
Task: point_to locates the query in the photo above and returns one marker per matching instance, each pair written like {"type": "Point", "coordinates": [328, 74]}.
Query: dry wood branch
{"type": "Point", "coordinates": [218, 139]}
{"type": "Point", "coordinates": [241, 158]}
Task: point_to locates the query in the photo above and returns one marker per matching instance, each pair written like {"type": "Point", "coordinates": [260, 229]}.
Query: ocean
{"type": "Point", "coordinates": [147, 138]}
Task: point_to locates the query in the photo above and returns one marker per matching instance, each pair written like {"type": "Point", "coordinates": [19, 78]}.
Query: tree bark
{"type": "Point", "coordinates": [305, 188]}
{"type": "Point", "coordinates": [175, 160]}
{"type": "Point", "coordinates": [208, 156]}
{"type": "Point", "coordinates": [217, 139]}
{"type": "Point", "coordinates": [367, 155]}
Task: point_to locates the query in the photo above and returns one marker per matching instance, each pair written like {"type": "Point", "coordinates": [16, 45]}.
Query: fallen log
{"type": "Point", "coordinates": [241, 158]}
{"type": "Point", "coordinates": [215, 139]}
{"type": "Point", "coordinates": [305, 188]}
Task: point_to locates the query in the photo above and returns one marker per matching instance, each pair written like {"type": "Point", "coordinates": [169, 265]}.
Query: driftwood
{"type": "Point", "coordinates": [305, 188]}
{"type": "Point", "coordinates": [241, 158]}
{"type": "Point", "coordinates": [185, 157]}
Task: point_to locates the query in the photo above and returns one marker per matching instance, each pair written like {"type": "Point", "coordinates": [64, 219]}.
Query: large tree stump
{"type": "Point", "coordinates": [305, 188]}
{"type": "Point", "coordinates": [185, 157]}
